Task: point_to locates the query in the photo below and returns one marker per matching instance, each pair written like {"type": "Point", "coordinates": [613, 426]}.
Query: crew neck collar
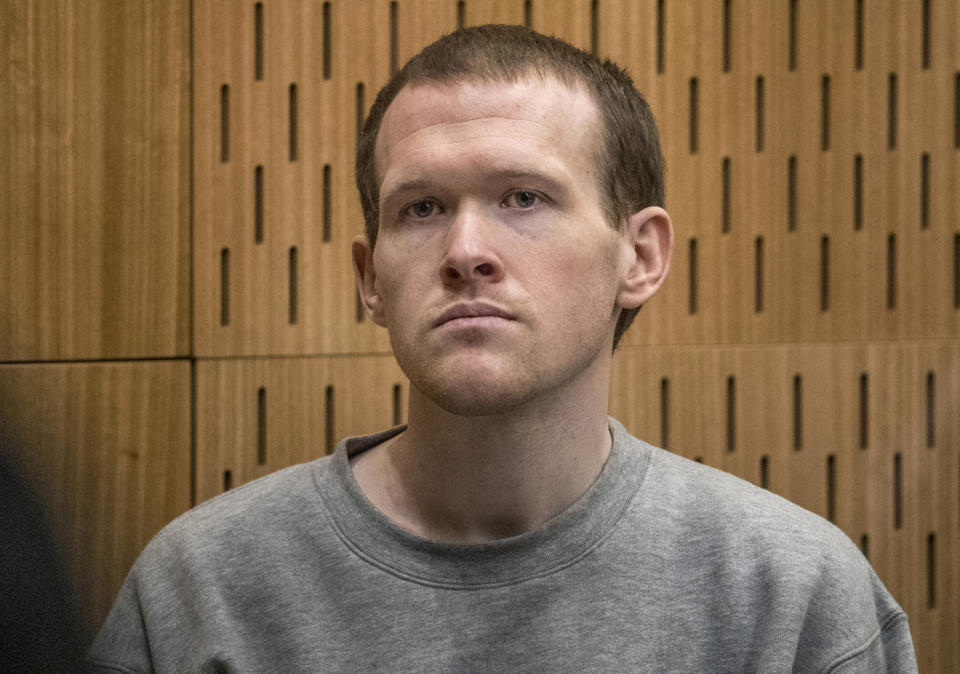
{"type": "Point", "coordinates": [562, 541]}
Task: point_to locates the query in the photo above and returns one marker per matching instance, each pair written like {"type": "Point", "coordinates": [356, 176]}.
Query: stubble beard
{"type": "Point", "coordinates": [513, 384]}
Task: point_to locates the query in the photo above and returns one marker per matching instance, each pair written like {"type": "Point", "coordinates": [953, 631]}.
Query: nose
{"type": "Point", "coordinates": [471, 254]}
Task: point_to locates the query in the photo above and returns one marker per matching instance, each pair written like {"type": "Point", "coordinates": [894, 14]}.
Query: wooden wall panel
{"type": "Point", "coordinates": [804, 220]}
{"type": "Point", "coordinates": [95, 180]}
{"type": "Point", "coordinates": [106, 448]}
{"type": "Point", "coordinates": [258, 415]}
{"type": "Point", "coordinates": [821, 238]}
{"type": "Point", "coordinates": [261, 202]}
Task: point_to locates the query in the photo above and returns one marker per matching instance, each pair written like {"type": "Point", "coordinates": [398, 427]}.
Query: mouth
{"type": "Point", "coordinates": [473, 310]}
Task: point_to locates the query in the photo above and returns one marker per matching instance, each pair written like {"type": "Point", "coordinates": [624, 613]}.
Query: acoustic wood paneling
{"type": "Point", "coordinates": [106, 449]}
{"type": "Point", "coordinates": [257, 204]}
{"type": "Point", "coordinates": [258, 415]}
{"type": "Point", "coordinates": [762, 141]}
{"type": "Point", "coordinates": [813, 186]}
{"type": "Point", "coordinates": [95, 180]}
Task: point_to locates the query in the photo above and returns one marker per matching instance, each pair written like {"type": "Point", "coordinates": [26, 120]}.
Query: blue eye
{"type": "Point", "coordinates": [522, 199]}
{"type": "Point", "coordinates": [420, 209]}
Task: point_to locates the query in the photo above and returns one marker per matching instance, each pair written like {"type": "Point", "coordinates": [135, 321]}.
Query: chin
{"type": "Point", "coordinates": [474, 391]}
{"type": "Point", "coordinates": [473, 401]}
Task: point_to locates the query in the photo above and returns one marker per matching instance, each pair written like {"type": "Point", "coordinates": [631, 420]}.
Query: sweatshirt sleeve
{"type": "Point", "coordinates": [890, 650]}
{"type": "Point", "coordinates": [122, 645]}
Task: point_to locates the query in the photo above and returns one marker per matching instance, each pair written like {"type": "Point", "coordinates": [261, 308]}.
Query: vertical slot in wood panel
{"type": "Point", "coordinates": [792, 45]}
{"type": "Point", "coordinates": [293, 122]}
{"type": "Point", "coordinates": [892, 112]}
{"type": "Point", "coordinates": [393, 37]}
{"type": "Point", "coordinates": [693, 276]}
{"type": "Point", "coordinates": [831, 488]}
{"type": "Point", "coordinates": [765, 471]}
{"type": "Point", "coordinates": [329, 416]}
{"type": "Point", "coordinates": [661, 33]}
{"type": "Point", "coordinates": [227, 480]}
{"type": "Point", "coordinates": [327, 31]}
{"type": "Point", "coordinates": [528, 13]}
{"type": "Point", "coordinates": [925, 39]}
{"type": "Point", "coordinates": [327, 216]}
{"type": "Point", "coordinates": [956, 270]}
{"type": "Point", "coordinates": [261, 426]}
{"type": "Point", "coordinates": [258, 204]}
{"type": "Point", "coordinates": [293, 289]}
{"type": "Point", "coordinates": [797, 412]}
{"type": "Point", "coordinates": [594, 27]}
{"type": "Point", "coordinates": [865, 545]}
{"type": "Point", "coordinates": [956, 111]}
{"type": "Point", "coordinates": [225, 286]}
{"type": "Point", "coordinates": [924, 191]}
{"type": "Point", "coordinates": [858, 36]}
{"type": "Point", "coordinates": [758, 275]}
{"type": "Point", "coordinates": [931, 570]}
{"type": "Point", "coordinates": [931, 409]}
{"type": "Point", "coordinates": [725, 196]}
{"type": "Point", "coordinates": [758, 113]}
{"type": "Point", "coordinates": [361, 110]}
{"type": "Point", "coordinates": [258, 41]}
{"type": "Point", "coordinates": [897, 491]}
{"type": "Point", "coordinates": [792, 193]}
{"type": "Point", "coordinates": [727, 29]}
{"type": "Point", "coordinates": [665, 413]}
{"type": "Point", "coordinates": [825, 113]}
{"type": "Point", "coordinates": [858, 192]}
{"type": "Point", "coordinates": [825, 273]}
{"type": "Point", "coordinates": [225, 123]}
{"type": "Point", "coordinates": [864, 434]}
{"type": "Point", "coordinates": [731, 414]}
{"type": "Point", "coordinates": [891, 271]}
{"type": "Point", "coordinates": [694, 95]}
{"type": "Point", "coordinates": [461, 14]}
{"type": "Point", "coordinates": [397, 404]}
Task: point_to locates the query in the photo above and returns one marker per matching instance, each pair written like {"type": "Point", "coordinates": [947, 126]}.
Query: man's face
{"type": "Point", "coordinates": [495, 270]}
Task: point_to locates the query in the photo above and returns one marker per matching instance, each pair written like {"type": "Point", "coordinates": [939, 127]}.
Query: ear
{"type": "Point", "coordinates": [650, 237]}
{"type": "Point", "coordinates": [365, 276]}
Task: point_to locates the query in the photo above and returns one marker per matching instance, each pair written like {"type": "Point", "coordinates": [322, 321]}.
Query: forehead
{"type": "Point", "coordinates": [534, 116]}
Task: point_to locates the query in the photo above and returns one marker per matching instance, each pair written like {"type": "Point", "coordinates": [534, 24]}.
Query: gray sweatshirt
{"type": "Point", "coordinates": [663, 565]}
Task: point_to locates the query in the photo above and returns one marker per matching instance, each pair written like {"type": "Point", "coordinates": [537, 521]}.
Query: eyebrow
{"type": "Point", "coordinates": [414, 185]}
{"type": "Point", "coordinates": [420, 184]}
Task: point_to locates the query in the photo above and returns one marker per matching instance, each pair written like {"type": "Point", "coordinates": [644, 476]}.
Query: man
{"type": "Point", "coordinates": [512, 191]}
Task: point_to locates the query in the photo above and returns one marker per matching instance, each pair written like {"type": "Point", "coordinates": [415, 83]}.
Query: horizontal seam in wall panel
{"type": "Point", "coordinates": [289, 356]}
{"type": "Point", "coordinates": [95, 361]}
{"type": "Point", "coordinates": [789, 345]}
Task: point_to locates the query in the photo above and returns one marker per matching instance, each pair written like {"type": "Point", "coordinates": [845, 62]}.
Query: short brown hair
{"type": "Point", "coordinates": [629, 156]}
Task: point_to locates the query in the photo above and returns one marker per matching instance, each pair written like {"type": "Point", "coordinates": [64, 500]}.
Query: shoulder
{"type": "Point", "coordinates": [754, 556]}
{"type": "Point", "coordinates": [692, 495]}
{"type": "Point", "coordinates": [243, 520]}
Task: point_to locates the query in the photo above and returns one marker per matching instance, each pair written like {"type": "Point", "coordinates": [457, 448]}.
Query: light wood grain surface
{"type": "Point", "coordinates": [94, 180]}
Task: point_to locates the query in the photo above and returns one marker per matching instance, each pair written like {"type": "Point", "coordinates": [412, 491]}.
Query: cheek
{"type": "Point", "coordinates": [401, 284]}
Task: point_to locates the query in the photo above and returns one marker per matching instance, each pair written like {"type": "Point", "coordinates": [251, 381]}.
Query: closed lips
{"type": "Point", "coordinates": [472, 311]}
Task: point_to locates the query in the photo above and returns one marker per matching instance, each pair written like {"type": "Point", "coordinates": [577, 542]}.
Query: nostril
{"type": "Point", "coordinates": [484, 269]}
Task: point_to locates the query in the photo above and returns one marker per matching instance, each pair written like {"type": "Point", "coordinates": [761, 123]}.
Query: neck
{"type": "Point", "coordinates": [472, 479]}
